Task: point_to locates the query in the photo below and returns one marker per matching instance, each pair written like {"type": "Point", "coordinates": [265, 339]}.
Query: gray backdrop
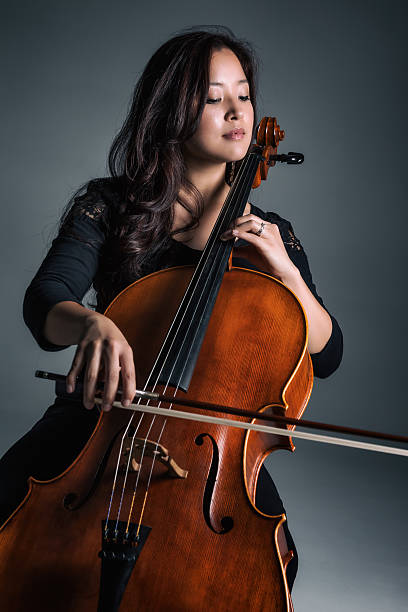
{"type": "Point", "coordinates": [335, 76]}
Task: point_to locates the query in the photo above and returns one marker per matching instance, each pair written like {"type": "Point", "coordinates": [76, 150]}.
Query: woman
{"type": "Point", "coordinates": [171, 166]}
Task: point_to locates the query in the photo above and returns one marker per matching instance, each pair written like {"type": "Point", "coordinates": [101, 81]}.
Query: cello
{"type": "Point", "coordinates": [158, 515]}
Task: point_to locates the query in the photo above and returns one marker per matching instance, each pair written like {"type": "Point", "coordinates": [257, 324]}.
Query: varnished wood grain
{"type": "Point", "coordinates": [251, 351]}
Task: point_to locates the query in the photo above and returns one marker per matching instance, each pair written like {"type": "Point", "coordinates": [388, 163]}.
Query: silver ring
{"type": "Point", "coordinates": [261, 229]}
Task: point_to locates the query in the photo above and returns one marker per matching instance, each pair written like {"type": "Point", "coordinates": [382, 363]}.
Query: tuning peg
{"type": "Point", "coordinates": [289, 158]}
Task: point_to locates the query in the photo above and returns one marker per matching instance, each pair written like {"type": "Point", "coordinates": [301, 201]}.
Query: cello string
{"type": "Point", "coordinates": [118, 465]}
{"type": "Point", "coordinates": [185, 364]}
{"type": "Point", "coordinates": [127, 471]}
{"type": "Point", "coordinates": [218, 246]}
{"type": "Point", "coordinates": [223, 214]}
{"type": "Point", "coordinates": [157, 442]}
{"type": "Point", "coordinates": [169, 409]}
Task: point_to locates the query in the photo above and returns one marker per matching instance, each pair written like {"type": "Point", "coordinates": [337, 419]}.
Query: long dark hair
{"type": "Point", "coordinates": [146, 159]}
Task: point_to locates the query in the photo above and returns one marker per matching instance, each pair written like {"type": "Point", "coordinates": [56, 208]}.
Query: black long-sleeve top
{"type": "Point", "coordinates": [74, 261]}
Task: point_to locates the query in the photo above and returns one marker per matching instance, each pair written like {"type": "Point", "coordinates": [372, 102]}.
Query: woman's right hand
{"type": "Point", "coordinates": [103, 347]}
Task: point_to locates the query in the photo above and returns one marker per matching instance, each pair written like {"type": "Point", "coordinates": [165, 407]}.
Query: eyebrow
{"type": "Point", "coordinates": [221, 84]}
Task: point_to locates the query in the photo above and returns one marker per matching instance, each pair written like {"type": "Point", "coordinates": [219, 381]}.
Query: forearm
{"type": "Point", "coordinates": [319, 321]}
{"type": "Point", "coordinates": [66, 321]}
{"type": "Point", "coordinates": [100, 345]}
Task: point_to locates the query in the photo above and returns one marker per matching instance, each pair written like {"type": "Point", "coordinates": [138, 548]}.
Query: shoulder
{"type": "Point", "coordinates": [93, 204]}
{"type": "Point", "coordinates": [90, 212]}
{"type": "Point", "coordinates": [97, 196]}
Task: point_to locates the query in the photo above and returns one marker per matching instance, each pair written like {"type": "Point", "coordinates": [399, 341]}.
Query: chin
{"type": "Point", "coordinates": [236, 151]}
{"type": "Point", "coordinates": [239, 154]}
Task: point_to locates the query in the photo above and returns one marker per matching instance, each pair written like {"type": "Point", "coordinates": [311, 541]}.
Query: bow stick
{"type": "Point", "coordinates": [166, 412]}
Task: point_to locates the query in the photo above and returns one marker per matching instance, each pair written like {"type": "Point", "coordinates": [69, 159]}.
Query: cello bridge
{"type": "Point", "coordinates": [157, 452]}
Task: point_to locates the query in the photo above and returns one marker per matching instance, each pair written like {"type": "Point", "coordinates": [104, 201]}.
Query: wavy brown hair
{"type": "Point", "coordinates": [145, 160]}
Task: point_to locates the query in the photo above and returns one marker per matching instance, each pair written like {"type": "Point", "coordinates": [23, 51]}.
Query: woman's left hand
{"type": "Point", "coordinates": [265, 247]}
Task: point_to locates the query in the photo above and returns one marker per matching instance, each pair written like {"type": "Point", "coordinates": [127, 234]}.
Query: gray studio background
{"type": "Point", "coordinates": [334, 73]}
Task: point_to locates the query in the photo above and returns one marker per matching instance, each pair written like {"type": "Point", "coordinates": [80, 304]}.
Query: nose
{"type": "Point", "coordinates": [234, 114]}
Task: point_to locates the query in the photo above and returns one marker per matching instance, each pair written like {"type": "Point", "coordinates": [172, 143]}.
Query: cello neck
{"type": "Point", "coordinates": [180, 350]}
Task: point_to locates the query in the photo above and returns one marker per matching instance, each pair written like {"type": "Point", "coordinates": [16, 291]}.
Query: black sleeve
{"type": "Point", "coordinates": [70, 266]}
{"type": "Point", "coordinates": [328, 359]}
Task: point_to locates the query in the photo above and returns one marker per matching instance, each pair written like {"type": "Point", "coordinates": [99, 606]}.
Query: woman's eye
{"type": "Point", "coordinates": [215, 100]}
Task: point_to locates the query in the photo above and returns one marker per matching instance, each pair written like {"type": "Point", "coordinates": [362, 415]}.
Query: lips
{"type": "Point", "coordinates": [235, 134]}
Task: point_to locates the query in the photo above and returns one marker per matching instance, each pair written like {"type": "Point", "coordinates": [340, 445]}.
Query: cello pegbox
{"type": "Point", "coordinates": [268, 136]}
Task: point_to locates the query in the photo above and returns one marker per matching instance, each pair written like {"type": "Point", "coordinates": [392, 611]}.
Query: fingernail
{"type": "Point", "coordinates": [106, 407]}
{"type": "Point", "coordinates": [70, 388]}
{"type": "Point", "coordinates": [126, 402]}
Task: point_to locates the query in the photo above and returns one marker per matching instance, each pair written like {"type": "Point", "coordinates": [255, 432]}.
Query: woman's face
{"type": "Point", "coordinates": [225, 130]}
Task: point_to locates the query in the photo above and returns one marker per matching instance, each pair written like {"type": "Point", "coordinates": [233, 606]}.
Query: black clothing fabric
{"type": "Point", "coordinates": [72, 265]}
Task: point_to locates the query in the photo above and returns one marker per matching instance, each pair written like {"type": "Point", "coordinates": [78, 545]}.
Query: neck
{"type": "Point", "coordinates": [209, 179]}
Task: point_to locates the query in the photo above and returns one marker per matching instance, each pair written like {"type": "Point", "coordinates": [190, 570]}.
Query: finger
{"type": "Point", "coordinates": [128, 377]}
{"type": "Point", "coordinates": [75, 369]}
{"type": "Point", "coordinates": [253, 226]}
{"type": "Point", "coordinates": [112, 369]}
{"type": "Point", "coordinates": [244, 230]}
{"type": "Point", "coordinates": [228, 235]}
{"type": "Point", "coordinates": [250, 237]}
{"type": "Point", "coordinates": [91, 378]}
{"type": "Point", "coordinates": [244, 219]}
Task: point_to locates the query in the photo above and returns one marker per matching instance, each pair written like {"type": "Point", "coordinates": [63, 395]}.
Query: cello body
{"type": "Point", "coordinates": [205, 545]}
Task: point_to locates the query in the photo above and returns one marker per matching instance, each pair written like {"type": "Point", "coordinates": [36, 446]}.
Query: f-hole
{"type": "Point", "coordinates": [227, 522]}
